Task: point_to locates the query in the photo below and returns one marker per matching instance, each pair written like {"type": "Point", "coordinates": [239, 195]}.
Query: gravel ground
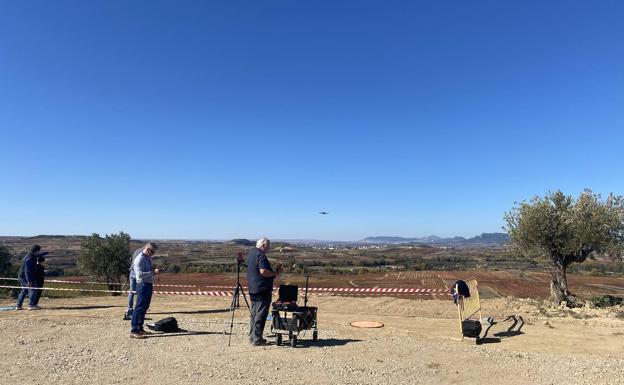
{"type": "Point", "coordinates": [84, 340]}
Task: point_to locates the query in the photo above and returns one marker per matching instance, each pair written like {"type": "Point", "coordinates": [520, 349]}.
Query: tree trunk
{"type": "Point", "coordinates": [559, 287]}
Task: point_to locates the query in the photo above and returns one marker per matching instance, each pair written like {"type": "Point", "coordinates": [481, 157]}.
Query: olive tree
{"type": "Point", "coordinates": [567, 230]}
{"type": "Point", "coordinates": [6, 253]}
{"type": "Point", "coordinates": [105, 258]}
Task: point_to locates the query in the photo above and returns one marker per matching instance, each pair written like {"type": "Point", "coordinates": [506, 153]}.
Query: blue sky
{"type": "Point", "coordinates": [229, 119]}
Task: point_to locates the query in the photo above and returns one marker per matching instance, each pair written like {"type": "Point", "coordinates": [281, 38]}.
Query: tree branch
{"type": "Point", "coordinates": [585, 251]}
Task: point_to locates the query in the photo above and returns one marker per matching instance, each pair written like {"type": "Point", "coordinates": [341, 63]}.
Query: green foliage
{"type": "Point", "coordinates": [106, 258]}
{"type": "Point", "coordinates": [6, 253]}
{"type": "Point", "coordinates": [6, 270]}
{"type": "Point", "coordinates": [566, 229]}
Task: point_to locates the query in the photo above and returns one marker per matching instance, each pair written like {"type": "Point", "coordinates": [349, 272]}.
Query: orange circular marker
{"type": "Point", "coordinates": [366, 324]}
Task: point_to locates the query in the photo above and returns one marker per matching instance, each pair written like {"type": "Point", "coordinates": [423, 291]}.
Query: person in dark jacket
{"type": "Point", "coordinates": [39, 277]}
{"type": "Point", "coordinates": [260, 276]}
{"type": "Point", "coordinates": [27, 279]}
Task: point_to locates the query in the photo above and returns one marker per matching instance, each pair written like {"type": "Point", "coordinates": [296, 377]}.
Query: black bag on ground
{"type": "Point", "coordinates": [471, 328]}
{"type": "Point", "coordinates": [167, 325]}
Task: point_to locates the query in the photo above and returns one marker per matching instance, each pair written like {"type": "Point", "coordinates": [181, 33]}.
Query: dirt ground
{"type": "Point", "coordinates": [84, 340]}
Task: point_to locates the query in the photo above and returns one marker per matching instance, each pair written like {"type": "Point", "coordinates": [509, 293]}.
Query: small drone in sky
{"type": "Point", "coordinates": [323, 212]}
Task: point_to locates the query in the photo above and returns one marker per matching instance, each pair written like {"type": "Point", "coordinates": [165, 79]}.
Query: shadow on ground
{"type": "Point", "coordinates": [517, 324]}
{"type": "Point", "coordinates": [209, 311]}
{"type": "Point", "coordinates": [321, 343]}
{"type": "Point", "coordinates": [180, 334]}
{"type": "Point", "coordinates": [86, 307]}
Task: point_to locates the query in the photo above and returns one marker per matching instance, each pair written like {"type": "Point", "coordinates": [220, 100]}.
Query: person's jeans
{"type": "Point", "coordinates": [260, 304]}
{"type": "Point", "coordinates": [23, 292]}
{"type": "Point", "coordinates": [143, 300]}
{"type": "Point", "coordinates": [133, 284]}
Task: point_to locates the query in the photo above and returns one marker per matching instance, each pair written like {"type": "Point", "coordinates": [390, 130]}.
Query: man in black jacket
{"type": "Point", "coordinates": [27, 279]}
{"type": "Point", "coordinates": [260, 276]}
{"type": "Point", "coordinates": [39, 278]}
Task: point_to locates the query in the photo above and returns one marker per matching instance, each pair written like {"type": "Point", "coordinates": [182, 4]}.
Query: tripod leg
{"type": "Point", "coordinates": [231, 327]}
{"type": "Point", "coordinates": [235, 302]}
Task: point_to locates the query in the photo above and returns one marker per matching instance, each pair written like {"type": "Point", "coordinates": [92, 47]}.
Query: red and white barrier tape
{"type": "Point", "coordinates": [313, 290]}
{"type": "Point", "coordinates": [101, 283]}
{"type": "Point", "coordinates": [202, 293]}
{"type": "Point", "coordinates": [398, 290]}
{"type": "Point", "coordinates": [205, 293]}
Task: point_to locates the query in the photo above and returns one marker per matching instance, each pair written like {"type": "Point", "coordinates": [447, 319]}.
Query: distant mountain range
{"type": "Point", "coordinates": [485, 239]}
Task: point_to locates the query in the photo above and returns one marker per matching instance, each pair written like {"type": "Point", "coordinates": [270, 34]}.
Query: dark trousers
{"type": "Point", "coordinates": [143, 300]}
{"type": "Point", "coordinates": [35, 301]}
{"type": "Point", "coordinates": [22, 295]}
{"type": "Point", "coordinates": [260, 304]}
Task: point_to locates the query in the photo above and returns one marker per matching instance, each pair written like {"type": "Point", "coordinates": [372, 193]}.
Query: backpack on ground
{"type": "Point", "coordinates": [166, 325]}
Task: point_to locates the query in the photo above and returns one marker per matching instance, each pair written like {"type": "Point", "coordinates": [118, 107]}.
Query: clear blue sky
{"type": "Point", "coordinates": [197, 119]}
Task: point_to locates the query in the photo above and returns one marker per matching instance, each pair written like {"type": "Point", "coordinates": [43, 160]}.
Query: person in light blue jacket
{"type": "Point", "coordinates": [142, 266]}
{"type": "Point", "coordinates": [132, 283]}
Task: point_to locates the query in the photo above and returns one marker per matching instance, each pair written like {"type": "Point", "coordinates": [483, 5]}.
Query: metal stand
{"type": "Point", "coordinates": [305, 298]}
{"type": "Point", "coordinates": [238, 290]}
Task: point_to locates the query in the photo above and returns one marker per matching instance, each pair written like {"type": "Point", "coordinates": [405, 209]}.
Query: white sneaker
{"type": "Point", "coordinates": [34, 307]}
{"type": "Point", "coordinates": [19, 308]}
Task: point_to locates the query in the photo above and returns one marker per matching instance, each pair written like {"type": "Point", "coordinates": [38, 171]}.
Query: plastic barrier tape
{"type": "Point", "coordinates": [311, 290]}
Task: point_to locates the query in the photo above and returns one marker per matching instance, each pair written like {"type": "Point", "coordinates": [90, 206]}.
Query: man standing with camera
{"type": "Point", "coordinates": [260, 276]}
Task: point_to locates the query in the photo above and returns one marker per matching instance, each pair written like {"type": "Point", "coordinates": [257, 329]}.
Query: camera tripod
{"type": "Point", "coordinates": [238, 290]}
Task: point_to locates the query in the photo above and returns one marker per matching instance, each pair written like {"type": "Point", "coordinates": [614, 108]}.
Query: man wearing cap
{"type": "Point", "coordinates": [142, 266]}
{"type": "Point", "coordinates": [260, 276]}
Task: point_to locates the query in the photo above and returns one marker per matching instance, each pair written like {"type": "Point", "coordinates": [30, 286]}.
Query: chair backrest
{"type": "Point", "coordinates": [287, 293]}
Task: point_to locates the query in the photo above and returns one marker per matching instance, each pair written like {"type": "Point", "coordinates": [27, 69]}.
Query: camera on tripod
{"type": "Point", "coordinates": [238, 290]}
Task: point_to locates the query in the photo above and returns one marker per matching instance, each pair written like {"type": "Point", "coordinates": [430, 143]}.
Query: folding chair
{"type": "Point", "coordinates": [469, 311]}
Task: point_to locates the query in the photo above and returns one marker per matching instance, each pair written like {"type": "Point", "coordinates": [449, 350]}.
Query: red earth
{"type": "Point", "coordinates": [492, 284]}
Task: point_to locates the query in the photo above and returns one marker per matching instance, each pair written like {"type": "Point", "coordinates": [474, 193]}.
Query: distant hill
{"type": "Point", "coordinates": [242, 242]}
{"type": "Point", "coordinates": [485, 239]}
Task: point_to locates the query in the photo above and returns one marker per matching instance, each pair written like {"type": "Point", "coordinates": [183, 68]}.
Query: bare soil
{"type": "Point", "coordinates": [492, 284]}
{"type": "Point", "coordinates": [84, 340]}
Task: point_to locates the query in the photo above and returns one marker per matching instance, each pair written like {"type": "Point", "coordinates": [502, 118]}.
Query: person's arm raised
{"type": "Point", "coordinates": [271, 274]}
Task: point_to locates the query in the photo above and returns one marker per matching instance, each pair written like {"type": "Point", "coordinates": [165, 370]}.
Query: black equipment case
{"type": "Point", "coordinates": [471, 328]}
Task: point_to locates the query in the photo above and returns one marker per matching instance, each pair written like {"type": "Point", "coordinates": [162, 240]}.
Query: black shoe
{"type": "Point", "coordinates": [261, 342]}
{"type": "Point", "coordinates": [128, 315]}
